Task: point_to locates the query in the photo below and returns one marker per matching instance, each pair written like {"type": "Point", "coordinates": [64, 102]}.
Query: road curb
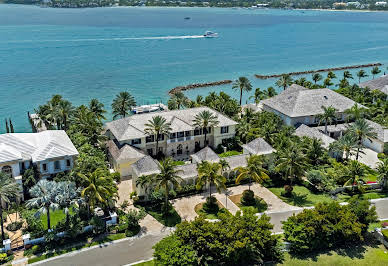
{"type": "Point", "coordinates": [137, 262]}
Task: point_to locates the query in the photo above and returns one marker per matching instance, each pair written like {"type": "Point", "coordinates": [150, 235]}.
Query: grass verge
{"type": "Point", "coordinates": [260, 206]}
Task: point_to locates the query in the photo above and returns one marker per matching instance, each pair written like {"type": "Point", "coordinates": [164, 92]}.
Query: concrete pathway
{"type": "Point", "coordinates": [369, 158]}
{"type": "Point", "coordinates": [185, 206]}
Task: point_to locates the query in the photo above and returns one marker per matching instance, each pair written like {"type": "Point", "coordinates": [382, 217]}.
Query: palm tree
{"type": "Point", "coordinates": [382, 169]}
{"type": "Point", "coordinates": [328, 116]}
{"type": "Point", "coordinates": [355, 172]}
{"type": "Point", "coordinates": [123, 104]}
{"type": "Point", "coordinates": [346, 144]}
{"type": "Point", "coordinates": [179, 100]}
{"type": "Point", "coordinates": [224, 165]}
{"type": "Point", "coordinates": [68, 195]}
{"type": "Point", "coordinates": [315, 151]}
{"type": "Point", "coordinates": [242, 129]}
{"type": "Point", "coordinates": [259, 95]}
{"type": "Point", "coordinates": [327, 82]}
{"type": "Point", "coordinates": [361, 130]}
{"type": "Point", "coordinates": [284, 81]}
{"type": "Point", "coordinates": [355, 112]}
{"type": "Point", "coordinates": [270, 92]}
{"type": "Point", "coordinates": [63, 111]}
{"type": "Point", "coordinates": [243, 84]}
{"type": "Point", "coordinates": [361, 74]}
{"type": "Point", "coordinates": [204, 120]}
{"type": "Point", "coordinates": [292, 162]}
{"type": "Point", "coordinates": [44, 196]}
{"type": "Point", "coordinates": [375, 71]}
{"type": "Point", "coordinates": [98, 188]}
{"type": "Point", "coordinates": [145, 182]}
{"type": "Point", "coordinates": [331, 75]}
{"type": "Point", "coordinates": [316, 77]}
{"type": "Point", "coordinates": [210, 173]}
{"type": "Point", "coordinates": [253, 171]}
{"type": "Point", "coordinates": [344, 83]}
{"type": "Point", "coordinates": [9, 190]}
{"type": "Point", "coordinates": [167, 178]}
{"type": "Point", "coordinates": [301, 82]}
{"type": "Point", "coordinates": [157, 126]}
{"type": "Point", "coordinates": [347, 75]}
{"type": "Point", "coordinates": [97, 108]}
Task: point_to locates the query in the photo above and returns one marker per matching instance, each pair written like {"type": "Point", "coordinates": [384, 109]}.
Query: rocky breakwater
{"type": "Point", "coordinates": [199, 85]}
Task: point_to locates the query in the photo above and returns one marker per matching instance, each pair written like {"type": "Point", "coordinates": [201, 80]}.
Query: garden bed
{"type": "Point", "coordinates": [155, 210]}
{"type": "Point", "coordinates": [259, 207]}
{"type": "Point", "coordinates": [211, 216]}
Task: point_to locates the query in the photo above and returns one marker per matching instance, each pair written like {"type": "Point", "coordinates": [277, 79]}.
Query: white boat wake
{"type": "Point", "coordinates": [114, 39]}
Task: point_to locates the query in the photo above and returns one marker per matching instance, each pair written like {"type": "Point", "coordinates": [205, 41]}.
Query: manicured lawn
{"type": "Point", "coordinates": [378, 224]}
{"type": "Point", "coordinates": [259, 207]}
{"type": "Point", "coordinates": [211, 216]}
{"type": "Point", "coordinates": [170, 219]}
{"type": "Point", "coordinates": [55, 217]}
{"type": "Point", "coordinates": [354, 256]}
{"type": "Point", "coordinates": [367, 195]}
{"type": "Point", "coordinates": [301, 196]}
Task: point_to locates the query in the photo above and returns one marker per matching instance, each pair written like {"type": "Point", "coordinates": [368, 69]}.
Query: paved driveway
{"type": "Point", "coordinates": [369, 158]}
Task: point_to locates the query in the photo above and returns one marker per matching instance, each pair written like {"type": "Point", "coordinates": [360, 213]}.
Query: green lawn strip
{"type": "Point", "coordinates": [79, 246]}
{"type": "Point", "coordinates": [375, 225]}
{"type": "Point", "coordinates": [366, 195]}
{"type": "Point", "coordinates": [146, 263]}
{"type": "Point", "coordinates": [55, 217]}
{"type": "Point", "coordinates": [211, 216]}
{"type": "Point", "coordinates": [236, 199]}
{"type": "Point", "coordinates": [229, 153]}
{"type": "Point", "coordinates": [355, 256]}
{"type": "Point", "coordinates": [301, 196]}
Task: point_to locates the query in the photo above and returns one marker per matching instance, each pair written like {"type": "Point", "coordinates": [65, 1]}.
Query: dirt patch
{"type": "Point", "coordinates": [236, 199]}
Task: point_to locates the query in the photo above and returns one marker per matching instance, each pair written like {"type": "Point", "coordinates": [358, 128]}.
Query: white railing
{"type": "Point", "coordinates": [180, 139]}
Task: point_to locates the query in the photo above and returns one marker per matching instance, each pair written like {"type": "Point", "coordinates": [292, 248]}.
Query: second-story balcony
{"type": "Point", "coordinates": [181, 139]}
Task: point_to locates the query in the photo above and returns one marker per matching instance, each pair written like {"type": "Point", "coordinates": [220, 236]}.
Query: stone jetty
{"type": "Point", "coordinates": [198, 85]}
{"type": "Point", "coordinates": [315, 71]}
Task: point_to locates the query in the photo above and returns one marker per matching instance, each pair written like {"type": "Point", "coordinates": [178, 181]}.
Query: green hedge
{"type": "Point", "coordinates": [385, 234]}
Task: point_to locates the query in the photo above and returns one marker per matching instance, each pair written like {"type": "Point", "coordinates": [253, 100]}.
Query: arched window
{"type": "Point", "coordinates": [179, 149]}
{"type": "Point", "coordinates": [7, 170]}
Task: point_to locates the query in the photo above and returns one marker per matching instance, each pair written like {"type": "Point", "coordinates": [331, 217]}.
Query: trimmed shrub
{"type": "Point", "coordinates": [248, 198]}
{"type": "Point", "coordinates": [211, 205]}
{"type": "Point", "coordinates": [14, 226]}
{"type": "Point", "coordinates": [287, 191]}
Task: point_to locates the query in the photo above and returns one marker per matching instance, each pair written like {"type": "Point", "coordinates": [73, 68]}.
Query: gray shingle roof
{"type": "Point", "coordinates": [37, 147]}
{"type": "Point", "coordinates": [306, 131]}
{"type": "Point", "coordinates": [236, 161]}
{"type": "Point", "coordinates": [187, 170]}
{"type": "Point", "coordinates": [258, 146]}
{"type": "Point", "coordinates": [382, 133]}
{"type": "Point", "coordinates": [181, 120]}
{"type": "Point", "coordinates": [125, 153]}
{"type": "Point", "coordinates": [380, 84]}
{"type": "Point", "coordinates": [206, 154]}
{"type": "Point", "coordinates": [146, 166]}
{"type": "Point", "coordinates": [298, 101]}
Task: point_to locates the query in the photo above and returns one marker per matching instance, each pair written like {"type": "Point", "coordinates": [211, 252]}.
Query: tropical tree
{"type": "Point", "coordinates": [346, 144]}
{"type": "Point", "coordinates": [284, 81]}
{"type": "Point", "coordinates": [328, 116]}
{"type": "Point", "coordinates": [242, 84]}
{"type": "Point", "coordinates": [361, 74]}
{"type": "Point", "coordinates": [44, 196]}
{"type": "Point", "coordinates": [68, 196]}
{"type": "Point", "coordinates": [99, 188]}
{"type": "Point", "coordinates": [167, 178]}
{"type": "Point", "coordinates": [178, 100]}
{"type": "Point", "coordinates": [316, 77]}
{"type": "Point", "coordinates": [62, 112]}
{"type": "Point", "coordinates": [331, 75]}
{"type": "Point", "coordinates": [224, 165]}
{"type": "Point", "coordinates": [344, 83]}
{"type": "Point", "coordinates": [9, 190]}
{"type": "Point", "coordinates": [375, 71]}
{"type": "Point", "coordinates": [210, 173]}
{"type": "Point", "coordinates": [327, 82]}
{"type": "Point", "coordinates": [355, 112]}
{"type": "Point", "coordinates": [347, 75]}
{"type": "Point", "coordinates": [270, 92]}
{"type": "Point", "coordinates": [355, 172]}
{"type": "Point", "coordinates": [123, 104]}
{"type": "Point", "coordinates": [145, 182]}
{"type": "Point", "coordinates": [204, 120]}
{"type": "Point", "coordinates": [361, 130]}
{"type": "Point", "coordinates": [253, 171]}
{"type": "Point", "coordinates": [157, 126]}
{"type": "Point", "coordinates": [97, 108]}
{"type": "Point", "coordinates": [382, 169]}
{"type": "Point", "coordinates": [315, 151]}
{"type": "Point", "coordinates": [258, 96]}
{"type": "Point", "coordinates": [292, 162]}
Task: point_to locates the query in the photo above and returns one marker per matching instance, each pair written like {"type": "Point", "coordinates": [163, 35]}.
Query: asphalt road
{"type": "Point", "coordinates": [116, 254]}
{"type": "Point", "coordinates": [130, 251]}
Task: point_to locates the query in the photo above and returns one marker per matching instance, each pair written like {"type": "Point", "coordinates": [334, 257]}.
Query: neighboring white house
{"type": "Point", "coordinates": [50, 151]}
{"type": "Point", "coordinates": [129, 141]}
{"type": "Point", "coordinates": [313, 132]}
{"type": "Point", "coordinates": [299, 105]}
{"type": "Point", "coordinates": [381, 3]}
{"type": "Point", "coordinates": [380, 84]}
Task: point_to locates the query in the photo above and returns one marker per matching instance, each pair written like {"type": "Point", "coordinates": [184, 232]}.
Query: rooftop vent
{"type": "Point", "coordinates": [325, 97]}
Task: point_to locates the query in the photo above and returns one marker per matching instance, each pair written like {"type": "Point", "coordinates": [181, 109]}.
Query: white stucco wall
{"type": "Point", "coordinates": [374, 145]}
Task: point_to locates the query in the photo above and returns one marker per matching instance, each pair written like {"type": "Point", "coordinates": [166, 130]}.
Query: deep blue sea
{"type": "Point", "coordinates": [96, 53]}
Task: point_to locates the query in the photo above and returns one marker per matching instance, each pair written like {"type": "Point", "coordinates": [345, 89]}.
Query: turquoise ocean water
{"type": "Point", "coordinates": [96, 53]}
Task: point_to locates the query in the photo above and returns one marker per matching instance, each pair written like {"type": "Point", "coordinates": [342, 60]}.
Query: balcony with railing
{"type": "Point", "coordinates": [180, 139]}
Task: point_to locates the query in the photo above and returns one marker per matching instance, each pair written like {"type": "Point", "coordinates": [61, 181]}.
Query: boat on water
{"type": "Point", "coordinates": [210, 34]}
{"type": "Point", "coordinates": [149, 108]}
{"type": "Point", "coordinates": [187, 18]}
